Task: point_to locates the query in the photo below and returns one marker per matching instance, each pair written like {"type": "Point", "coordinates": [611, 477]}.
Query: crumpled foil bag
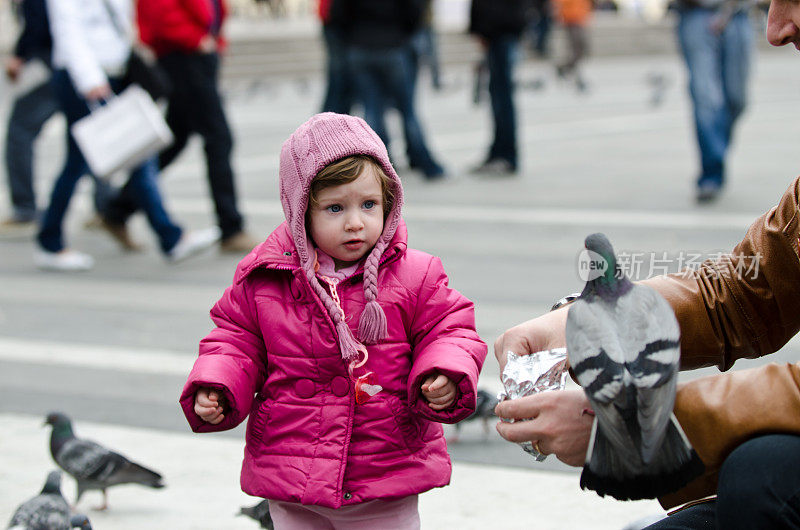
{"type": "Point", "coordinates": [524, 375]}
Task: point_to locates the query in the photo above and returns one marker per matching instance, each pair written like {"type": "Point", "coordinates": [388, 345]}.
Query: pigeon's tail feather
{"type": "Point", "coordinates": [146, 477]}
{"type": "Point", "coordinates": [249, 511]}
{"type": "Point", "coordinates": [259, 512]}
{"type": "Point", "coordinates": [620, 476]}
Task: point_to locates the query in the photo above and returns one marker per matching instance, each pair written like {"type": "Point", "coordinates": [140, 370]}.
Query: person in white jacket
{"type": "Point", "coordinates": [91, 46]}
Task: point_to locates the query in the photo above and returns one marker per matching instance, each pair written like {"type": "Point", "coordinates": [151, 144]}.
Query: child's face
{"type": "Point", "coordinates": [348, 219]}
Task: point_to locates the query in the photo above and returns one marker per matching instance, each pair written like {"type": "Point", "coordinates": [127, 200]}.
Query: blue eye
{"type": "Point", "coordinates": [334, 208]}
{"type": "Point", "coordinates": [369, 205]}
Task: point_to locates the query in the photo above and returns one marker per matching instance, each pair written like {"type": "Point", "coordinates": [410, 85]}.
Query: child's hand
{"type": "Point", "coordinates": [208, 405]}
{"type": "Point", "coordinates": [440, 391]}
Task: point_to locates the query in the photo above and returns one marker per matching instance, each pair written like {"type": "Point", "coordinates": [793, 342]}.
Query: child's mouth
{"type": "Point", "coordinates": [353, 244]}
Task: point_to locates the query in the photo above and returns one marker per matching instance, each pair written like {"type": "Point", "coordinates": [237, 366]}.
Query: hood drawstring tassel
{"type": "Point", "coordinates": [372, 325]}
{"type": "Point", "coordinates": [348, 344]}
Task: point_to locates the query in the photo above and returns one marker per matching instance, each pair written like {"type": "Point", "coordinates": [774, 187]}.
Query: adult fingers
{"type": "Point", "coordinates": [520, 408]}
{"type": "Point", "coordinates": [520, 431]}
{"type": "Point", "coordinates": [509, 340]}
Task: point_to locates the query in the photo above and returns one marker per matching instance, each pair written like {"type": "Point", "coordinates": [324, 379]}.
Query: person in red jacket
{"type": "Point", "coordinates": [187, 39]}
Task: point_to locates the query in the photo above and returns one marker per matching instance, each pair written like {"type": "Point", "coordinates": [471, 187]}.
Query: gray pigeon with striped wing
{"type": "Point", "coordinates": [46, 511]}
{"type": "Point", "coordinates": [93, 466]}
{"type": "Point", "coordinates": [623, 344]}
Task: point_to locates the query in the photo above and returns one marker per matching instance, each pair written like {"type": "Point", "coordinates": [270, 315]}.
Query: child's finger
{"type": "Point", "coordinates": [204, 412]}
{"type": "Point", "coordinates": [441, 405]}
{"type": "Point", "coordinates": [438, 383]}
{"type": "Point", "coordinates": [215, 417]}
{"type": "Point", "coordinates": [426, 385]}
{"type": "Point", "coordinates": [442, 397]}
{"type": "Point", "coordinates": [205, 401]}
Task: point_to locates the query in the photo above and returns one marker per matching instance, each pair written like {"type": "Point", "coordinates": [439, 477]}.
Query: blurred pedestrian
{"type": "Point", "coordinates": [339, 81]}
{"type": "Point", "coordinates": [35, 103]}
{"type": "Point", "coordinates": [426, 51]}
{"type": "Point", "coordinates": [90, 50]}
{"type": "Point", "coordinates": [381, 59]}
{"type": "Point", "coordinates": [716, 38]}
{"type": "Point", "coordinates": [539, 28]}
{"type": "Point", "coordinates": [499, 25]}
{"type": "Point", "coordinates": [186, 35]}
{"type": "Point", "coordinates": [344, 428]}
{"type": "Point", "coordinates": [574, 16]}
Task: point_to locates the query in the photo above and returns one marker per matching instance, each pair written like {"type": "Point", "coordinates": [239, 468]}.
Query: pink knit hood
{"type": "Point", "coordinates": [323, 139]}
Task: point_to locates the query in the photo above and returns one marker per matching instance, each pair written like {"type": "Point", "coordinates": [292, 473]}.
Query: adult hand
{"type": "Point", "coordinates": [208, 44]}
{"type": "Point", "coordinates": [98, 93]}
{"type": "Point", "coordinates": [439, 390]}
{"type": "Point", "coordinates": [558, 422]}
{"type": "Point", "coordinates": [541, 333]}
{"type": "Point", "coordinates": [208, 405]}
{"type": "Point", "coordinates": [14, 67]}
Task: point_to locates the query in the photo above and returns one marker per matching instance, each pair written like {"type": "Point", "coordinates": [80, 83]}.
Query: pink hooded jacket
{"type": "Point", "coordinates": [277, 353]}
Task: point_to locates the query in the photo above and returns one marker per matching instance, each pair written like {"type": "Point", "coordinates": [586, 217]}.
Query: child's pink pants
{"type": "Point", "coordinates": [401, 514]}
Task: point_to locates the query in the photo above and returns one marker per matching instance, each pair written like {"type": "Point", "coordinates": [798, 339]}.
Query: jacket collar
{"type": "Point", "coordinates": [278, 252]}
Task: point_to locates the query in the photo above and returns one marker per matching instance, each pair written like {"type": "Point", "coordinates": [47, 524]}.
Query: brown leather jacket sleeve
{"type": "Point", "coordinates": [733, 308]}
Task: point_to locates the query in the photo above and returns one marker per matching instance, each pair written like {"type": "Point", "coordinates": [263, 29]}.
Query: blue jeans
{"type": "Point", "coordinates": [29, 113]}
{"type": "Point", "coordinates": [719, 67]}
{"type": "Point", "coordinates": [423, 43]}
{"type": "Point", "coordinates": [759, 487]}
{"type": "Point", "coordinates": [142, 181]}
{"type": "Point", "coordinates": [501, 56]}
{"type": "Point", "coordinates": [384, 78]}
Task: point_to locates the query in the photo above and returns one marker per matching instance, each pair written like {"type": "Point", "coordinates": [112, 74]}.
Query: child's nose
{"type": "Point", "coordinates": [354, 222]}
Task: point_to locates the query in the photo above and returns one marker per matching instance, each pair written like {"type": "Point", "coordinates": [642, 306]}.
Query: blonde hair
{"type": "Point", "coordinates": [346, 170]}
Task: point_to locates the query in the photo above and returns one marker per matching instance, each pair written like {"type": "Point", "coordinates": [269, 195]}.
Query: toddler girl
{"type": "Point", "coordinates": [346, 348]}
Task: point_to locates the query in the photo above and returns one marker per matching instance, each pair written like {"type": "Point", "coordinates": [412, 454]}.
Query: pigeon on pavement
{"type": "Point", "coordinates": [93, 466]}
{"type": "Point", "coordinates": [623, 343]}
{"type": "Point", "coordinates": [80, 521]}
{"type": "Point", "coordinates": [259, 512]}
{"type": "Point", "coordinates": [46, 511]}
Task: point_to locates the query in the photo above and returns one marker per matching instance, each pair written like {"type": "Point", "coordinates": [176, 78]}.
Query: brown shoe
{"type": "Point", "coordinates": [238, 243]}
{"type": "Point", "coordinates": [13, 228]}
{"type": "Point", "coordinates": [120, 234]}
{"type": "Point", "coordinates": [95, 222]}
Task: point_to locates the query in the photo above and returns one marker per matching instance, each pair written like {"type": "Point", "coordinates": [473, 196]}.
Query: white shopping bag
{"type": "Point", "coordinates": [123, 133]}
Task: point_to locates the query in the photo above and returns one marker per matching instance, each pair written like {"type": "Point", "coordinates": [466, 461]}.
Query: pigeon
{"type": "Point", "coordinates": [79, 520]}
{"type": "Point", "coordinates": [46, 511]}
{"type": "Point", "coordinates": [484, 410]}
{"type": "Point", "coordinates": [623, 344]}
{"type": "Point", "coordinates": [93, 466]}
{"type": "Point", "coordinates": [259, 512]}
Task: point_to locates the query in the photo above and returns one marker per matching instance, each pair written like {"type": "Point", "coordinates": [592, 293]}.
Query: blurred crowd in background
{"type": "Point", "coordinates": [374, 52]}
